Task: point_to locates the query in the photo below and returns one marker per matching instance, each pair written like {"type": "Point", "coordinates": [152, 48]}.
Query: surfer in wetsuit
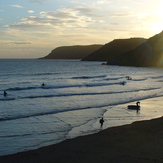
{"type": "Point", "coordinates": [101, 121]}
{"type": "Point", "coordinates": [42, 84]}
{"type": "Point", "coordinates": [5, 93]}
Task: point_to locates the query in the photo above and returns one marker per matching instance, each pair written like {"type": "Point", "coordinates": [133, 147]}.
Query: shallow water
{"type": "Point", "coordinates": [76, 94]}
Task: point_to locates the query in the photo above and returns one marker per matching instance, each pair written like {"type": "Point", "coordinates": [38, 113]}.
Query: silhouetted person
{"type": "Point", "coordinates": [129, 78]}
{"type": "Point", "coordinates": [42, 84]}
{"type": "Point", "coordinates": [123, 83]}
{"type": "Point", "coordinates": [5, 93]}
{"type": "Point", "coordinates": [101, 121]}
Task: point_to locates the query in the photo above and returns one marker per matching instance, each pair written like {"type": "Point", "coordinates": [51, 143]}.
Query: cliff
{"type": "Point", "coordinates": [124, 52]}
{"type": "Point", "coordinates": [148, 54]}
{"type": "Point", "coordinates": [114, 49]}
{"type": "Point", "coordinates": [72, 52]}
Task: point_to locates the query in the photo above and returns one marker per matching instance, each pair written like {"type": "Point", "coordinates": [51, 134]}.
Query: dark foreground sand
{"type": "Point", "coordinates": [140, 142]}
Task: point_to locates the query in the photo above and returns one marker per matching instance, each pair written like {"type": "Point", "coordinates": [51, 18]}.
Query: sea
{"type": "Point", "coordinates": [75, 95]}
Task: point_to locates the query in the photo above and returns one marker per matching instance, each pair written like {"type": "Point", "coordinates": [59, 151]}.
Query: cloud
{"type": "Point", "coordinates": [30, 11]}
{"type": "Point", "coordinates": [21, 42]}
{"type": "Point", "coordinates": [37, 1]}
{"type": "Point", "coordinates": [103, 1]}
{"type": "Point", "coordinates": [88, 11]}
{"type": "Point", "coordinates": [75, 16]}
{"type": "Point", "coordinates": [122, 15]}
{"type": "Point", "coordinates": [72, 18]}
{"type": "Point", "coordinates": [114, 23]}
{"type": "Point", "coordinates": [17, 6]}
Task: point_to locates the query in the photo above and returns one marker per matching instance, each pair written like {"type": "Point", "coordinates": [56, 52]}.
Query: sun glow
{"type": "Point", "coordinates": [158, 27]}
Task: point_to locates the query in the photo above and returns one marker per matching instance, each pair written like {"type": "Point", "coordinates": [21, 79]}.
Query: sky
{"type": "Point", "coordinates": [33, 28]}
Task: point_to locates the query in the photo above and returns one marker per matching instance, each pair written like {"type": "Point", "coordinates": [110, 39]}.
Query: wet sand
{"type": "Point", "coordinates": [139, 142]}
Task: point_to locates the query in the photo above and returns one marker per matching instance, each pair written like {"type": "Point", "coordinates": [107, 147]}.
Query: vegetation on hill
{"type": "Point", "coordinates": [123, 52]}
{"type": "Point", "coordinates": [148, 54]}
{"type": "Point", "coordinates": [72, 52]}
{"type": "Point", "coordinates": [114, 49]}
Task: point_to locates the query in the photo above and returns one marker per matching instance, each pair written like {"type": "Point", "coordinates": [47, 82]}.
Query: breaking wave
{"type": "Point", "coordinates": [63, 86]}
{"type": "Point", "coordinates": [89, 77]}
{"type": "Point", "coordinates": [77, 94]}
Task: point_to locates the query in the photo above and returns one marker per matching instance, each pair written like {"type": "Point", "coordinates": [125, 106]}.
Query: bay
{"type": "Point", "coordinates": [75, 96]}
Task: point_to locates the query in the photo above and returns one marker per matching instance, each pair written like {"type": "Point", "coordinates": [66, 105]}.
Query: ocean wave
{"type": "Point", "coordinates": [90, 93]}
{"type": "Point", "coordinates": [20, 88]}
{"type": "Point", "coordinates": [33, 133]}
{"type": "Point", "coordinates": [157, 77]}
{"type": "Point", "coordinates": [44, 74]}
{"type": "Point", "coordinates": [15, 117]}
{"type": "Point", "coordinates": [7, 99]}
{"type": "Point", "coordinates": [10, 136]}
{"type": "Point", "coordinates": [76, 94]}
{"type": "Point", "coordinates": [160, 81]}
{"type": "Point", "coordinates": [62, 86]}
{"type": "Point", "coordinates": [139, 79]}
{"type": "Point", "coordinates": [29, 74]}
{"type": "Point", "coordinates": [89, 77]}
{"type": "Point", "coordinates": [117, 78]}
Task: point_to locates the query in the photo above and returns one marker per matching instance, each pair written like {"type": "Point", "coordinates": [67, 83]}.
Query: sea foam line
{"type": "Point", "coordinates": [62, 86]}
{"type": "Point", "coordinates": [76, 94]}
{"type": "Point", "coordinates": [89, 77]}
{"type": "Point", "coordinates": [89, 93]}
{"type": "Point", "coordinates": [7, 118]}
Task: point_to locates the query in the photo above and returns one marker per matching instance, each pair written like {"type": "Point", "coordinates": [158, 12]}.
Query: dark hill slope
{"type": "Point", "coordinates": [114, 49]}
{"type": "Point", "coordinates": [72, 52]}
{"type": "Point", "coordinates": [148, 54]}
{"type": "Point", "coordinates": [156, 43]}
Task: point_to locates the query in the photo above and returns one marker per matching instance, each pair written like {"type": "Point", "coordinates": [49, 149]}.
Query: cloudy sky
{"type": "Point", "coordinates": [32, 28]}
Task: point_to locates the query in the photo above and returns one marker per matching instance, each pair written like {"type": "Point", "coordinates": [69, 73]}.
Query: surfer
{"type": "Point", "coordinates": [101, 121]}
{"type": "Point", "coordinates": [5, 93]}
{"type": "Point", "coordinates": [42, 84]}
{"type": "Point", "coordinates": [123, 83]}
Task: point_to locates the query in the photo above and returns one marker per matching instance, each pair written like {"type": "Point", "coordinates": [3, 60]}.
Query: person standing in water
{"type": "Point", "coordinates": [5, 93]}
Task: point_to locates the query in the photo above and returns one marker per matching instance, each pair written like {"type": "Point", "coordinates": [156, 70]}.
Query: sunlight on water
{"type": "Point", "coordinates": [75, 96]}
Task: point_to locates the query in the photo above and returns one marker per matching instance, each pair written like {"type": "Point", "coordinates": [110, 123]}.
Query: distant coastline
{"type": "Point", "coordinates": [139, 52]}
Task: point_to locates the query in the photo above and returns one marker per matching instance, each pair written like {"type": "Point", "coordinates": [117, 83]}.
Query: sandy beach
{"type": "Point", "coordinates": [137, 142]}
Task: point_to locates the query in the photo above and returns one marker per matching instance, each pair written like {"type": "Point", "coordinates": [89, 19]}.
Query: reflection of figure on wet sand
{"type": "Point", "coordinates": [5, 93]}
{"type": "Point", "coordinates": [101, 121]}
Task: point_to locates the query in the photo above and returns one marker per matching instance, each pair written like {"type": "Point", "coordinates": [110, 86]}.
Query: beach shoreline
{"type": "Point", "coordinates": [140, 141]}
{"type": "Point", "coordinates": [75, 97]}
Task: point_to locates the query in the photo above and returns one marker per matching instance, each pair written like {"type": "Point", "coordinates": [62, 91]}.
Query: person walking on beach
{"type": "Point", "coordinates": [101, 122]}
